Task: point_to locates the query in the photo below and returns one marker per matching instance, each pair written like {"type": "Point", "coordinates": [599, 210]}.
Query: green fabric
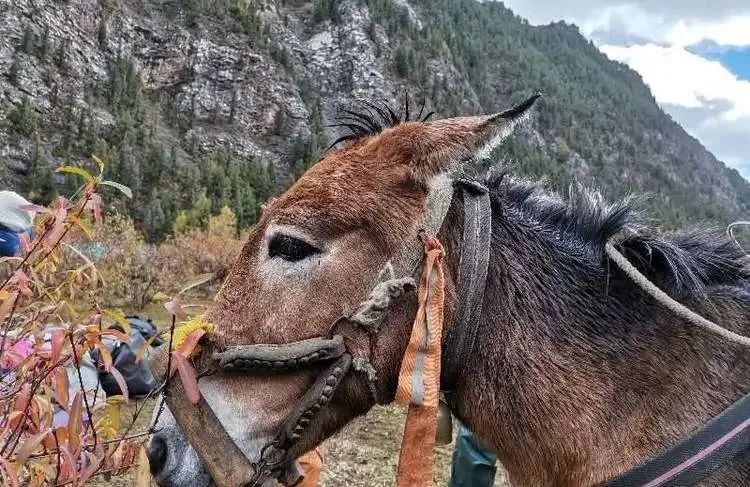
{"type": "Point", "coordinates": [473, 466]}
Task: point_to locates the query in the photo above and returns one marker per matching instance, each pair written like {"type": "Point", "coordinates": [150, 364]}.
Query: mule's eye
{"type": "Point", "coordinates": [290, 248]}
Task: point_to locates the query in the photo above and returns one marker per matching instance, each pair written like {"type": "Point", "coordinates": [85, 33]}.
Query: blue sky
{"type": "Point", "coordinates": [736, 60]}
{"type": "Point", "coordinates": [693, 54]}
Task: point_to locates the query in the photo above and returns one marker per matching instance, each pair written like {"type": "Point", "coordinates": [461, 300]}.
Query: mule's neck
{"type": "Point", "coordinates": [564, 379]}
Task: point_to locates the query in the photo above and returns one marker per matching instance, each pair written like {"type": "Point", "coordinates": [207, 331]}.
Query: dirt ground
{"type": "Point", "coordinates": [364, 454]}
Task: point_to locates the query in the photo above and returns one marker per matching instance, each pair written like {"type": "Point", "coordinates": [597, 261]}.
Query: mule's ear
{"type": "Point", "coordinates": [444, 143]}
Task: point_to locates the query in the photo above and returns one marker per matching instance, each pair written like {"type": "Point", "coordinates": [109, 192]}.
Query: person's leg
{"type": "Point", "coordinates": [473, 466]}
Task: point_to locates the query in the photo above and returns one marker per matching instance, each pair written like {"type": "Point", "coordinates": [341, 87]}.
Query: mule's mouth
{"type": "Point", "coordinates": [222, 458]}
{"type": "Point", "coordinates": [226, 464]}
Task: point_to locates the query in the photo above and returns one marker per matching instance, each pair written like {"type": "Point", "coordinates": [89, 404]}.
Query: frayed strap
{"type": "Point", "coordinates": [371, 312]}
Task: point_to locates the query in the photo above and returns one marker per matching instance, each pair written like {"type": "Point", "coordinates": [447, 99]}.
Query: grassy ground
{"type": "Point", "coordinates": [364, 454]}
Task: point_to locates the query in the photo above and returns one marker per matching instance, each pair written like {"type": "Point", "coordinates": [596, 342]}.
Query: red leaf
{"type": "Point", "coordinates": [94, 204]}
{"type": "Point", "coordinates": [190, 342]}
{"type": "Point", "coordinates": [22, 281]}
{"type": "Point", "coordinates": [8, 471]}
{"type": "Point", "coordinates": [93, 464]}
{"type": "Point", "coordinates": [25, 243]}
{"type": "Point", "coordinates": [116, 334]}
{"type": "Point", "coordinates": [7, 305]}
{"type": "Point", "coordinates": [188, 378]}
{"type": "Point", "coordinates": [61, 387]}
{"type": "Point", "coordinates": [120, 381]}
{"type": "Point", "coordinates": [10, 359]}
{"type": "Point", "coordinates": [22, 399]}
{"type": "Point", "coordinates": [58, 226]}
{"type": "Point", "coordinates": [174, 306]}
{"type": "Point", "coordinates": [35, 208]}
{"type": "Point", "coordinates": [144, 348]}
{"type": "Point", "coordinates": [29, 446]}
{"type": "Point", "coordinates": [106, 357]}
{"type": "Point", "coordinates": [70, 470]}
{"type": "Point", "coordinates": [57, 339]}
{"type": "Point", "coordinates": [74, 422]}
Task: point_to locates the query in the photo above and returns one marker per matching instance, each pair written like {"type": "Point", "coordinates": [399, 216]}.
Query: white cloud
{"type": "Point", "coordinates": [653, 38]}
{"type": "Point", "coordinates": [679, 77]}
{"type": "Point", "coordinates": [680, 22]}
{"type": "Point", "coordinates": [733, 31]}
{"type": "Point", "coordinates": [702, 95]}
{"type": "Point", "coordinates": [636, 22]}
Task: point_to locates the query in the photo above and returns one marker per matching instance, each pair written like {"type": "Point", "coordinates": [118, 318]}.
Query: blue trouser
{"type": "Point", "coordinates": [10, 242]}
{"type": "Point", "coordinates": [473, 466]}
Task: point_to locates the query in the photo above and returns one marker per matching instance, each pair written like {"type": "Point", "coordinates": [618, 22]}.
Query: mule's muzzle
{"type": "Point", "coordinates": [224, 461]}
{"type": "Point", "coordinates": [157, 454]}
{"type": "Point", "coordinates": [226, 464]}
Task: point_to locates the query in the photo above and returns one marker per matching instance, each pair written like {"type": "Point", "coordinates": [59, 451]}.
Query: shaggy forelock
{"type": "Point", "coordinates": [682, 263]}
{"type": "Point", "coordinates": [370, 118]}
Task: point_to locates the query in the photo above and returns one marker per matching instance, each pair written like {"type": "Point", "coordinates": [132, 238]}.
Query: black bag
{"type": "Point", "coordinates": [137, 376]}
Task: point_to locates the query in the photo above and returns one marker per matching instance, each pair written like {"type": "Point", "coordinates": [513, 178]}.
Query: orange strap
{"type": "Point", "coordinates": [419, 378]}
{"type": "Point", "coordinates": [312, 463]}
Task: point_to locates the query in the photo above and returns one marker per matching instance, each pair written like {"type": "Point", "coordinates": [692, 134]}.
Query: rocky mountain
{"type": "Point", "coordinates": [196, 104]}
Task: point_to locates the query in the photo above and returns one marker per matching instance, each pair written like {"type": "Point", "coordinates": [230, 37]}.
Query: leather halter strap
{"type": "Point", "coordinates": [697, 456]}
{"type": "Point", "coordinates": [472, 278]}
{"type": "Point", "coordinates": [283, 357]}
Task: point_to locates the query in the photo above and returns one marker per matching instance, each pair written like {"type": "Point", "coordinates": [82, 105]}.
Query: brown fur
{"type": "Point", "coordinates": [560, 406]}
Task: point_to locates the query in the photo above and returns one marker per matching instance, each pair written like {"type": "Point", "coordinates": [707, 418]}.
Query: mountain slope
{"type": "Point", "coordinates": [197, 104]}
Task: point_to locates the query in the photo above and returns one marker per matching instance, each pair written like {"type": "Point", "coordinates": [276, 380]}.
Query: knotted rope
{"type": "Point", "coordinates": [677, 308]}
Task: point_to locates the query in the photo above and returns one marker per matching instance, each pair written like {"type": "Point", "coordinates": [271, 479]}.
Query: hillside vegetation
{"type": "Point", "coordinates": [199, 104]}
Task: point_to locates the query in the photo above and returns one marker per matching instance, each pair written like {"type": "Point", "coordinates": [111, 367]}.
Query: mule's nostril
{"type": "Point", "coordinates": [157, 454]}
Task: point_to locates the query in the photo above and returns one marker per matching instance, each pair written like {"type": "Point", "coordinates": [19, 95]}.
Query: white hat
{"type": "Point", "coordinates": [12, 214]}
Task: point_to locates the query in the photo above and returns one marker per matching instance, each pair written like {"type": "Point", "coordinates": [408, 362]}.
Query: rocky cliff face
{"type": "Point", "coordinates": [262, 79]}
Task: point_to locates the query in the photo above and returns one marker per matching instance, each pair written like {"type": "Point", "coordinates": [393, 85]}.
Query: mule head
{"type": "Point", "coordinates": [312, 258]}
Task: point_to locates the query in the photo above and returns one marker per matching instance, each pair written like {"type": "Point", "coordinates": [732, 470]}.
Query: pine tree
{"type": "Point", "coordinates": [155, 221]}
{"type": "Point", "coordinates": [23, 118]}
{"type": "Point", "coordinates": [14, 72]}
{"type": "Point", "coordinates": [61, 56]}
{"type": "Point", "coordinates": [101, 33]}
{"type": "Point", "coordinates": [28, 41]}
{"type": "Point", "coordinates": [44, 44]}
{"type": "Point", "coordinates": [38, 183]}
{"type": "Point", "coordinates": [201, 211]}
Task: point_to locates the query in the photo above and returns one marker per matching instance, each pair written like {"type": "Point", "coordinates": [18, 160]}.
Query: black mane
{"type": "Point", "coordinates": [371, 118]}
{"type": "Point", "coordinates": [683, 263]}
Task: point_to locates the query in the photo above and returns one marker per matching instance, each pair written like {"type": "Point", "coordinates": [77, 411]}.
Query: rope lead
{"type": "Point", "coordinates": [677, 308]}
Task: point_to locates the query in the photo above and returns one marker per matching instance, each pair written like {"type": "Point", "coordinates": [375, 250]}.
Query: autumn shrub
{"type": "Point", "coordinates": [56, 426]}
{"type": "Point", "coordinates": [133, 273]}
{"type": "Point", "coordinates": [199, 253]}
{"type": "Point", "coordinates": [125, 262]}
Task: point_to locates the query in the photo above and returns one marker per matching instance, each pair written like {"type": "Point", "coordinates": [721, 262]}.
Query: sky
{"type": "Point", "coordinates": [693, 54]}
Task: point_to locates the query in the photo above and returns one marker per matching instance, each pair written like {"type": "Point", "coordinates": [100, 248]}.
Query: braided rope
{"type": "Point", "coordinates": [677, 308]}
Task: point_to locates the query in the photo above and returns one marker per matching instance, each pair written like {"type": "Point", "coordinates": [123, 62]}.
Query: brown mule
{"type": "Point", "coordinates": [576, 374]}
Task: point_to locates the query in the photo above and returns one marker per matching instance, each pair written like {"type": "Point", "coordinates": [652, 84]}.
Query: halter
{"type": "Point", "coordinates": [331, 350]}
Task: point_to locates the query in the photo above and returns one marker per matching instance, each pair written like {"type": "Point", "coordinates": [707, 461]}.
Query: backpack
{"type": "Point", "coordinates": [138, 377]}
